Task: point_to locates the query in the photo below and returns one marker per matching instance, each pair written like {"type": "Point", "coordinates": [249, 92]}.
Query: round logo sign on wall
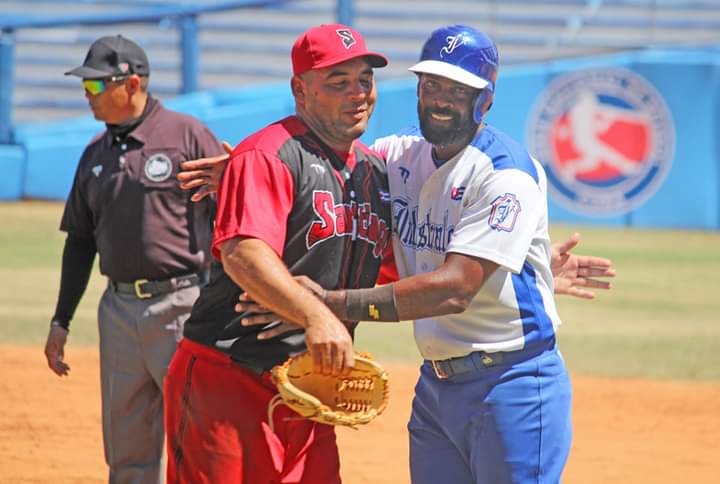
{"type": "Point", "coordinates": [605, 137]}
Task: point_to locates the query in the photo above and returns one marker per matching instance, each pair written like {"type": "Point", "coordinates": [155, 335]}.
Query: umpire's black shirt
{"type": "Point", "coordinates": [125, 196]}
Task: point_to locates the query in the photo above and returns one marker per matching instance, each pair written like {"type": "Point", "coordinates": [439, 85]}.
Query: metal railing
{"type": "Point", "coordinates": [574, 28]}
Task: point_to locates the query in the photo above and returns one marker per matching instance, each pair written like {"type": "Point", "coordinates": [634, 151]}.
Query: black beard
{"type": "Point", "coordinates": [460, 130]}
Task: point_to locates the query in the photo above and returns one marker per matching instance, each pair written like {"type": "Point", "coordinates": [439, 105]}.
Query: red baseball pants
{"type": "Point", "coordinates": [216, 418]}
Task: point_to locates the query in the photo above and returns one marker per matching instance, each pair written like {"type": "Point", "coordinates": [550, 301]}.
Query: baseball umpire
{"type": "Point", "coordinates": [153, 245]}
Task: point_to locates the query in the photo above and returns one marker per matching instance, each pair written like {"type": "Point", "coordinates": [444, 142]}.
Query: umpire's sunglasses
{"type": "Point", "coordinates": [99, 86]}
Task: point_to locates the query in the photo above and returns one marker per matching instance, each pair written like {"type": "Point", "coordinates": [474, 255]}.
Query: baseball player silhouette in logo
{"type": "Point", "coordinates": [589, 120]}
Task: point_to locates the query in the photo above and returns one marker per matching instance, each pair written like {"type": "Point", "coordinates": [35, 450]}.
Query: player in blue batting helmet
{"type": "Point", "coordinates": [480, 202]}
{"type": "Point", "coordinates": [475, 64]}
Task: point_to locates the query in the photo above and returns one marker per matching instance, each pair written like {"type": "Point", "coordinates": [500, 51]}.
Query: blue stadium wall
{"type": "Point", "coordinates": [42, 162]}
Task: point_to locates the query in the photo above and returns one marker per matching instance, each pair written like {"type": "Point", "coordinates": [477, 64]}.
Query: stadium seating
{"type": "Point", "coordinates": [250, 46]}
{"type": "Point", "coordinates": [243, 71]}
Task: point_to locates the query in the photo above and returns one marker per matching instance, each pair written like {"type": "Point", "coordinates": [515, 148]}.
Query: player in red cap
{"type": "Point", "coordinates": [299, 197]}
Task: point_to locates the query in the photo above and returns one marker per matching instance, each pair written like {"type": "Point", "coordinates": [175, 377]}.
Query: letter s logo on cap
{"type": "Point", "coordinates": [347, 37]}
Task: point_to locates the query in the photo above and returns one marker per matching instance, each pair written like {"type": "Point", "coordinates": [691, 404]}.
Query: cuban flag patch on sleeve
{"type": "Point", "coordinates": [504, 213]}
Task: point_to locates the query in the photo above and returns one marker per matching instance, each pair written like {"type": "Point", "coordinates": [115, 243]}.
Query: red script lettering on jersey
{"type": "Point", "coordinates": [339, 220]}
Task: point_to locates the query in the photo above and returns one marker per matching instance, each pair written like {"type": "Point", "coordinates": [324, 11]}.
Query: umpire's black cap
{"type": "Point", "coordinates": [113, 56]}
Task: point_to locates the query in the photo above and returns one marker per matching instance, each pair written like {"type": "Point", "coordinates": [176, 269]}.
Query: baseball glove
{"type": "Point", "coordinates": [349, 400]}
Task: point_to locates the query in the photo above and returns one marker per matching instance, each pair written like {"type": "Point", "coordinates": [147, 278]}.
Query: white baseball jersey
{"type": "Point", "coordinates": [489, 201]}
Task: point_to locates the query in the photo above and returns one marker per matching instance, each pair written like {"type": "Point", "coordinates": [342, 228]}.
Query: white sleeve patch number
{"type": "Point", "coordinates": [505, 210]}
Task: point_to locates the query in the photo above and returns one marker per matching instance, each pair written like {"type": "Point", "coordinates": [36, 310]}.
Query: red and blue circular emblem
{"type": "Point", "coordinates": [605, 137]}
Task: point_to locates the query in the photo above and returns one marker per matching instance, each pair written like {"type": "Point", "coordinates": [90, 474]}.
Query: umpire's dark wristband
{"type": "Point", "coordinates": [60, 324]}
{"type": "Point", "coordinates": [373, 304]}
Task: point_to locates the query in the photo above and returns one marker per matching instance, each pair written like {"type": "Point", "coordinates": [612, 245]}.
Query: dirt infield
{"type": "Point", "coordinates": [626, 431]}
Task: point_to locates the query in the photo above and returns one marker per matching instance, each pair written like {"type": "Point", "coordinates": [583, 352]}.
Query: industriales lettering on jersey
{"type": "Point", "coordinates": [421, 234]}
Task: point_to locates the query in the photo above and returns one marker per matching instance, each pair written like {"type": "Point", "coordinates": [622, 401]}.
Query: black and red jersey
{"type": "Point", "coordinates": [326, 215]}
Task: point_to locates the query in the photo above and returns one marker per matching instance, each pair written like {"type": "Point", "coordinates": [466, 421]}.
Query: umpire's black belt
{"type": "Point", "coordinates": [481, 360]}
{"type": "Point", "coordinates": [145, 289]}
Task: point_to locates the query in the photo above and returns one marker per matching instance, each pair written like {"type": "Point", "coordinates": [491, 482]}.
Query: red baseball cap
{"type": "Point", "coordinates": [330, 44]}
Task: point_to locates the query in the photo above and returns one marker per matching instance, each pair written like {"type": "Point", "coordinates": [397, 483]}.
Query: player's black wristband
{"type": "Point", "coordinates": [372, 304]}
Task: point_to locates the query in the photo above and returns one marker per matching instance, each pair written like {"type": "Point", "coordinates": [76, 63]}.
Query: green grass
{"type": "Point", "coordinates": [661, 317]}
{"type": "Point", "coordinates": [31, 251]}
{"type": "Point", "coordinates": [660, 320]}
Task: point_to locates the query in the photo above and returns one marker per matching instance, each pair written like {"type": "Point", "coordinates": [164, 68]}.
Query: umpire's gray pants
{"type": "Point", "coordinates": [137, 340]}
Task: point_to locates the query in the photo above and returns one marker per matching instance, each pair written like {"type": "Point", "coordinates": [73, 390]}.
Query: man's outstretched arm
{"type": "Point", "coordinates": [446, 290]}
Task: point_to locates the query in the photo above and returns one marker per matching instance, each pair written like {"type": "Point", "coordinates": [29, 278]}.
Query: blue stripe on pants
{"type": "Point", "coordinates": [505, 424]}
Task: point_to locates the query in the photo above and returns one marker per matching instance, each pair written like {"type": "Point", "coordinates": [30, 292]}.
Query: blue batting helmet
{"type": "Point", "coordinates": [465, 55]}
